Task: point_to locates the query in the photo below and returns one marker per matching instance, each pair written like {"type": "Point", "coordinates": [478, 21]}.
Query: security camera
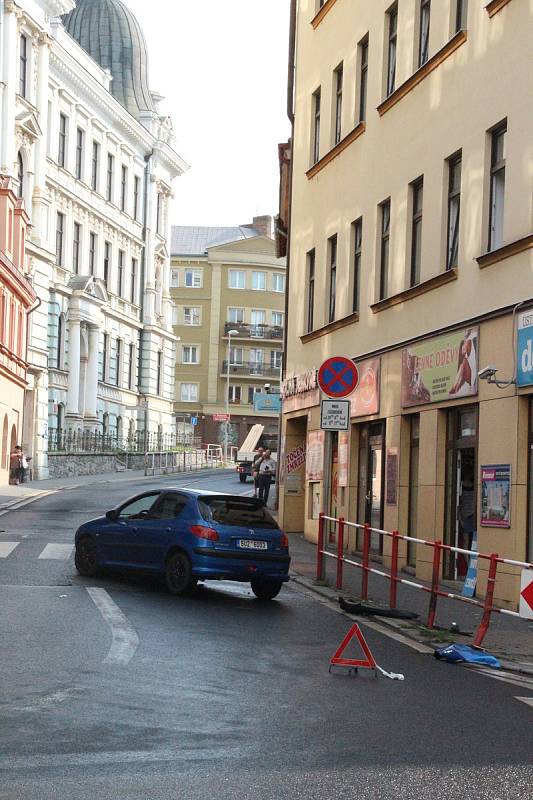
{"type": "Point", "coordinates": [487, 373]}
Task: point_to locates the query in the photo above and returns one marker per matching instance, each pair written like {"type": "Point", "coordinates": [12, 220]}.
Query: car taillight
{"type": "Point", "coordinates": [201, 532]}
{"type": "Point", "coordinates": [284, 542]}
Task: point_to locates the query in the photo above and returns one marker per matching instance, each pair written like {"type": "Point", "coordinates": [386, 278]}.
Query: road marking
{"type": "Point", "coordinates": [49, 700]}
{"type": "Point", "coordinates": [527, 700]}
{"type": "Point", "coordinates": [523, 681]}
{"type": "Point", "coordinates": [57, 552]}
{"type": "Point", "coordinates": [125, 640]}
{"type": "Point", "coordinates": [6, 548]}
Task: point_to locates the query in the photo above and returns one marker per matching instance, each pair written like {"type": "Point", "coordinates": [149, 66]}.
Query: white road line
{"type": "Point", "coordinates": [523, 681]}
{"type": "Point", "coordinates": [6, 548]}
{"type": "Point", "coordinates": [125, 640]}
{"type": "Point", "coordinates": [57, 552]}
{"type": "Point", "coordinates": [527, 700]}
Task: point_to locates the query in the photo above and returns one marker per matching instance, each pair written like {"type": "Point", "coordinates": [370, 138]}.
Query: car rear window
{"type": "Point", "coordinates": [236, 511]}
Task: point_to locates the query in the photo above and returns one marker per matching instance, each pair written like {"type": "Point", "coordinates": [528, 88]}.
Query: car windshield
{"type": "Point", "coordinates": [236, 511]}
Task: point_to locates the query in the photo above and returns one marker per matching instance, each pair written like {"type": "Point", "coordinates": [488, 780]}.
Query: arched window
{"type": "Point", "coordinates": [20, 175]}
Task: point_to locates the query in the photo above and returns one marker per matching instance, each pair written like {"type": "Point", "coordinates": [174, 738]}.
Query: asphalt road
{"type": "Point", "coordinates": [111, 688]}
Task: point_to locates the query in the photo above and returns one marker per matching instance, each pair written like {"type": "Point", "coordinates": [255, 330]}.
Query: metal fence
{"type": "Point", "coordinates": [164, 463]}
{"type": "Point", "coordinates": [78, 441]}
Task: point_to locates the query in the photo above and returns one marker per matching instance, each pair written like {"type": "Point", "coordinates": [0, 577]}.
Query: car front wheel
{"type": "Point", "coordinates": [85, 559]}
{"type": "Point", "coordinates": [266, 590]}
{"type": "Point", "coordinates": [178, 575]}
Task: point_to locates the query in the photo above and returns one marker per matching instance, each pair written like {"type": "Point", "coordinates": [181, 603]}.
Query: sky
{"type": "Point", "coordinates": [222, 68]}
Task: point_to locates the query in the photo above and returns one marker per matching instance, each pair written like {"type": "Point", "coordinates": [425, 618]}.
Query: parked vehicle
{"type": "Point", "coordinates": [188, 536]}
{"type": "Point", "coordinates": [247, 452]}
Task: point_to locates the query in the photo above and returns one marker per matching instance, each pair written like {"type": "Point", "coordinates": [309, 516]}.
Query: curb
{"type": "Point", "coordinates": [407, 631]}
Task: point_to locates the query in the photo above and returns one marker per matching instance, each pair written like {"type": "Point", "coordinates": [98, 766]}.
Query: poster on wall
{"type": "Point", "coordinates": [441, 369]}
{"type": "Point", "coordinates": [344, 455]}
{"type": "Point", "coordinates": [496, 496]}
{"type": "Point", "coordinates": [365, 399]}
{"type": "Point", "coordinates": [392, 476]}
{"type": "Point", "coordinates": [315, 455]}
{"type": "Point", "coordinates": [295, 459]}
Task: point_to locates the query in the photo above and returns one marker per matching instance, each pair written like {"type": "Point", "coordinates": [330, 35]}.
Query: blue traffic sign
{"type": "Point", "coordinates": [194, 421]}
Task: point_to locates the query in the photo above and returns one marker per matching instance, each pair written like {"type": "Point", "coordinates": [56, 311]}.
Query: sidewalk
{"type": "Point", "coordinates": [511, 640]}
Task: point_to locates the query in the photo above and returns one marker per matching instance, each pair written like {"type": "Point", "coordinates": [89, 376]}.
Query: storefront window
{"type": "Point", "coordinates": [413, 488]}
{"type": "Point", "coordinates": [461, 489]}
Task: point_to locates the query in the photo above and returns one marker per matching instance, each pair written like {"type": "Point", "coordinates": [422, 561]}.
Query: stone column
{"type": "Point", "coordinates": [74, 348]}
{"type": "Point", "coordinates": [91, 381]}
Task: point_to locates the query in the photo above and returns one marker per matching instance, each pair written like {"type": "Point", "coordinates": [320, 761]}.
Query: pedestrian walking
{"type": "Point", "coordinates": [267, 471]}
{"type": "Point", "coordinates": [17, 466]}
{"type": "Point", "coordinates": [255, 469]}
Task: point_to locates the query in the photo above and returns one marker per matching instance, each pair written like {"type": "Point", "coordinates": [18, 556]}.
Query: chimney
{"type": "Point", "coordinates": [263, 225]}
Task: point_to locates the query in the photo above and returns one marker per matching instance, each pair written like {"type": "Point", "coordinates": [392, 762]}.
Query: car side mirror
{"type": "Point", "coordinates": [112, 515]}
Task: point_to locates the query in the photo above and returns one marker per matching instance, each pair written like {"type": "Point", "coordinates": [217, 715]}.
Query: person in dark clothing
{"type": "Point", "coordinates": [267, 471]}
{"type": "Point", "coordinates": [255, 469]}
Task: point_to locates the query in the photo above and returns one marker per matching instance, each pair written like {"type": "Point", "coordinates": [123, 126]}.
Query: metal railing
{"type": "Point", "coordinates": [169, 463]}
{"type": "Point", "coordinates": [251, 368]}
{"type": "Point", "coordinates": [255, 331]}
{"type": "Point", "coordinates": [434, 590]}
{"type": "Point", "coordinates": [79, 441]}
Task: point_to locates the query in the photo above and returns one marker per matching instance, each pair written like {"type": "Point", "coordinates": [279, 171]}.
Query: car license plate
{"type": "Point", "coordinates": [252, 544]}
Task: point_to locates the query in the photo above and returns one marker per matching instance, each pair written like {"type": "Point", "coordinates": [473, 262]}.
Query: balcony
{"type": "Point", "coordinates": [264, 332]}
{"type": "Point", "coordinates": [251, 370]}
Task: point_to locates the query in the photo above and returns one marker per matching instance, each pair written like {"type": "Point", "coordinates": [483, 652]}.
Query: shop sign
{"type": "Point", "coordinates": [315, 455]}
{"type": "Point", "coordinates": [295, 459]}
{"type": "Point", "coordinates": [392, 476]}
{"type": "Point", "coordinates": [344, 458]}
{"type": "Point", "coordinates": [299, 384]}
{"type": "Point", "coordinates": [365, 399]}
{"type": "Point", "coordinates": [441, 369]}
{"type": "Point", "coordinates": [524, 371]}
{"type": "Point", "coordinates": [221, 417]}
{"type": "Point", "coordinates": [335, 415]}
{"type": "Point", "coordinates": [496, 496]}
{"type": "Point", "coordinates": [267, 402]}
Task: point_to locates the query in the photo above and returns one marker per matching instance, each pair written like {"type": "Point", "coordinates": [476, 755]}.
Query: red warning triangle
{"type": "Point", "coordinates": [337, 659]}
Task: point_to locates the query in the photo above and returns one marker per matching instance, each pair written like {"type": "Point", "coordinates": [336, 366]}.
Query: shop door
{"type": "Point", "coordinates": [462, 490]}
{"type": "Point", "coordinates": [375, 484]}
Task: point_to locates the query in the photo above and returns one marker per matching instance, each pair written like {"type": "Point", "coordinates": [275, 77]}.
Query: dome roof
{"type": "Point", "coordinates": [111, 35]}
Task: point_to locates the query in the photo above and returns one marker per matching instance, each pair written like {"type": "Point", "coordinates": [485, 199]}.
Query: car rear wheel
{"type": "Point", "coordinates": [266, 590]}
{"type": "Point", "coordinates": [242, 478]}
{"type": "Point", "coordinates": [86, 559]}
{"type": "Point", "coordinates": [178, 575]}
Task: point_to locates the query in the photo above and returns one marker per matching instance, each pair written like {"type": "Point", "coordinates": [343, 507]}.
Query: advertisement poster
{"type": "Point", "coordinates": [441, 369]}
{"type": "Point", "coordinates": [496, 496]}
{"type": "Point", "coordinates": [365, 399]}
{"type": "Point", "coordinates": [295, 459]}
{"type": "Point", "coordinates": [344, 456]}
{"type": "Point", "coordinates": [315, 455]}
{"type": "Point", "coordinates": [392, 476]}
{"type": "Point", "coordinates": [524, 365]}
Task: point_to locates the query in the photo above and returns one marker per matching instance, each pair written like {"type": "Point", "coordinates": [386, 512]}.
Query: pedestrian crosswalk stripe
{"type": "Point", "coordinates": [58, 552]}
{"type": "Point", "coordinates": [6, 548]}
{"type": "Point", "coordinates": [527, 700]}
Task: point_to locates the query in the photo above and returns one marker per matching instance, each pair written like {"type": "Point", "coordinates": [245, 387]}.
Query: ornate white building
{"type": "Point", "coordinates": [92, 158]}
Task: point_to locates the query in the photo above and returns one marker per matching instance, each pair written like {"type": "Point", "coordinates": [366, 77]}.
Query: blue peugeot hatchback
{"type": "Point", "coordinates": [188, 536]}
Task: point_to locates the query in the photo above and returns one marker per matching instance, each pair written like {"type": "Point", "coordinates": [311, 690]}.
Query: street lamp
{"type": "Point", "coordinates": [226, 436]}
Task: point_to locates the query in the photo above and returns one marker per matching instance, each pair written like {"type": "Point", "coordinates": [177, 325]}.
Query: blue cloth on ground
{"type": "Point", "coordinates": [458, 653]}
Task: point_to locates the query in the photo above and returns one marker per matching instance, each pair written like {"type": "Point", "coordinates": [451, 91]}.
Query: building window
{"type": "Point", "coordinates": [461, 14]}
{"type": "Point", "coordinates": [278, 319]}
{"type": "Point", "coordinates": [384, 250]}
{"type": "Point", "coordinates": [357, 255]}
{"type": "Point", "coordinates": [278, 282]}
{"type": "Point", "coordinates": [276, 358]}
{"type": "Point", "coordinates": [316, 126]}
{"type": "Point", "coordinates": [118, 363]}
{"type": "Point", "coordinates": [237, 279]}
{"type": "Point", "coordinates": [174, 278]}
{"type": "Point", "coordinates": [120, 275]}
{"type": "Point", "coordinates": [257, 358]}
{"type": "Point", "coordinates": [20, 175]}
{"type": "Point", "coordinates": [332, 247]}
{"type": "Point", "coordinates": [235, 395]}
{"type": "Point", "coordinates": [191, 315]}
{"type": "Point", "coordinates": [63, 133]}
{"type": "Point", "coordinates": [425, 19]}
{"type": "Point", "coordinates": [454, 211]}
{"type": "Point", "coordinates": [193, 278]}
{"type": "Point", "coordinates": [159, 386]}
{"type": "Point", "coordinates": [60, 239]}
{"type": "Point", "coordinates": [189, 393]}
{"type": "Point", "coordinates": [310, 290]}
{"type": "Point", "coordinates": [107, 262]}
{"type": "Point", "coordinates": [110, 171]}
{"type": "Point", "coordinates": [23, 66]}
{"type": "Point", "coordinates": [392, 15]}
{"type": "Point", "coordinates": [159, 214]}
{"type": "Point", "coordinates": [76, 248]}
{"type": "Point", "coordinates": [417, 198]}
{"type": "Point", "coordinates": [131, 364]}
{"type": "Point", "coordinates": [123, 188]}
{"type": "Point", "coordinates": [258, 319]}
{"type": "Point", "coordinates": [259, 281]}
{"type": "Point", "coordinates": [236, 356]}
{"type": "Point", "coordinates": [339, 75]}
{"type": "Point", "coordinates": [136, 197]}
{"type": "Point", "coordinates": [92, 253]}
{"type": "Point", "coordinates": [105, 356]}
{"type": "Point", "coordinates": [80, 147]}
{"type": "Point", "coordinates": [252, 391]}
{"type": "Point", "coordinates": [497, 186]}
{"type": "Point", "coordinates": [95, 166]}
{"type": "Point", "coordinates": [190, 354]}
{"type": "Point", "coordinates": [236, 316]}
{"type": "Point", "coordinates": [60, 341]}
{"type": "Point", "coordinates": [133, 285]}
{"type": "Point", "coordinates": [363, 78]}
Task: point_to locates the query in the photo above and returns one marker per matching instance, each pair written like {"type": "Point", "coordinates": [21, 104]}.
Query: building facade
{"type": "Point", "coordinates": [227, 284]}
{"type": "Point", "coordinates": [93, 160]}
{"type": "Point", "coordinates": [410, 252]}
{"type": "Point", "coordinates": [17, 298]}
